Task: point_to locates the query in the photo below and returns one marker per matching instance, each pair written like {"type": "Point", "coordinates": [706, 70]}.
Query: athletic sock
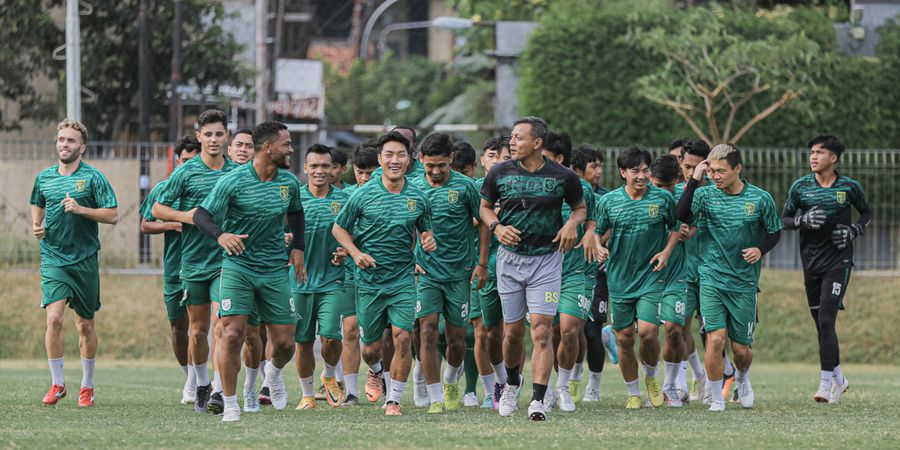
{"type": "Point", "coordinates": [328, 371]}
{"type": "Point", "coordinates": [451, 374]}
{"type": "Point", "coordinates": [231, 403]}
{"type": "Point", "coordinates": [742, 376]}
{"type": "Point", "coordinates": [671, 375]}
{"type": "Point", "coordinates": [56, 371]}
{"type": "Point", "coordinates": [827, 379]}
{"type": "Point", "coordinates": [217, 382]}
{"type": "Point", "coordinates": [696, 366]}
{"type": "Point", "coordinates": [306, 387]}
{"type": "Point", "coordinates": [435, 392]}
{"type": "Point", "coordinates": [201, 371]}
{"type": "Point", "coordinates": [727, 367]}
{"type": "Point", "coordinates": [352, 383]}
{"type": "Point", "coordinates": [681, 378]}
{"type": "Point", "coordinates": [715, 388]}
{"type": "Point", "coordinates": [487, 383]}
{"type": "Point", "coordinates": [388, 381]}
{"type": "Point", "coordinates": [594, 380]}
{"type": "Point", "coordinates": [539, 391]}
{"type": "Point", "coordinates": [577, 371]}
{"type": "Point", "coordinates": [512, 376]}
{"type": "Point", "coordinates": [191, 381]}
{"type": "Point", "coordinates": [375, 368]}
{"type": "Point", "coordinates": [838, 375]}
{"type": "Point", "coordinates": [250, 380]}
{"type": "Point", "coordinates": [562, 378]}
{"type": "Point", "coordinates": [418, 375]}
{"type": "Point", "coordinates": [262, 370]}
{"type": "Point", "coordinates": [650, 371]}
{"type": "Point", "coordinates": [633, 389]}
{"type": "Point", "coordinates": [185, 370]}
{"type": "Point", "coordinates": [499, 373]}
{"type": "Point", "coordinates": [87, 372]}
{"type": "Point", "coordinates": [339, 371]}
{"type": "Point", "coordinates": [273, 373]}
{"type": "Point", "coordinates": [396, 391]}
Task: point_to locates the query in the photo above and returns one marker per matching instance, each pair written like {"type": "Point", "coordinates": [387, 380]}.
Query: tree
{"type": "Point", "coordinates": [720, 82]}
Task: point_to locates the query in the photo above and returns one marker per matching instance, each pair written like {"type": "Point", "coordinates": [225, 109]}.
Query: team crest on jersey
{"type": "Point", "coordinates": [335, 208]}
{"type": "Point", "coordinates": [841, 197]}
{"type": "Point", "coordinates": [285, 192]}
{"type": "Point", "coordinates": [411, 204]}
{"type": "Point", "coordinates": [452, 196]}
{"type": "Point", "coordinates": [81, 184]}
{"type": "Point", "coordinates": [749, 208]}
{"type": "Point", "coordinates": [549, 184]}
{"type": "Point", "coordinates": [653, 211]}
{"type": "Point", "coordinates": [226, 304]}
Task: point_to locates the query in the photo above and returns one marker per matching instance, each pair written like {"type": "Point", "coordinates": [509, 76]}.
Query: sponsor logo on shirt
{"type": "Point", "coordinates": [81, 184]}
{"type": "Point", "coordinates": [841, 197]}
{"type": "Point", "coordinates": [653, 211]}
{"type": "Point", "coordinates": [749, 208]}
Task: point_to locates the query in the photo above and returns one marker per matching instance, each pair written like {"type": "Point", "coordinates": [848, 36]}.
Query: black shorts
{"type": "Point", "coordinates": [828, 286]}
{"type": "Point", "coordinates": [600, 302]}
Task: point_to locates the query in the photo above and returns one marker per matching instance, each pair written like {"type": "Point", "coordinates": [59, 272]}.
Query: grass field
{"type": "Point", "coordinates": [137, 406]}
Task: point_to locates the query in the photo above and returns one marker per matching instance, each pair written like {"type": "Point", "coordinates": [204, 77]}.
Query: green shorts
{"type": "Point", "coordinates": [200, 291]}
{"type": "Point", "coordinates": [474, 302]}
{"type": "Point", "coordinates": [173, 297]}
{"type": "Point", "coordinates": [78, 284]}
{"type": "Point", "coordinates": [489, 299]}
{"type": "Point", "coordinates": [692, 298]}
{"type": "Point", "coordinates": [268, 295]}
{"type": "Point", "coordinates": [322, 309]}
{"type": "Point", "coordinates": [378, 308]}
{"type": "Point", "coordinates": [645, 307]}
{"type": "Point", "coordinates": [347, 299]}
{"type": "Point", "coordinates": [676, 308]}
{"type": "Point", "coordinates": [571, 297]}
{"type": "Point", "coordinates": [735, 311]}
{"type": "Point", "coordinates": [450, 298]}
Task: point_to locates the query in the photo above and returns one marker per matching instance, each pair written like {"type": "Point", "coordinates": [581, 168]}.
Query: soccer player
{"type": "Point", "coordinates": [252, 203]}
{"type": "Point", "coordinates": [463, 158]}
{"type": "Point", "coordinates": [240, 150]}
{"type": "Point", "coordinates": [172, 288]}
{"type": "Point", "coordinates": [445, 277]}
{"type": "Point", "coordinates": [640, 220]}
{"type": "Point", "coordinates": [676, 149]}
{"type": "Point", "coordinates": [530, 191]}
{"type": "Point", "coordinates": [338, 167]}
{"type": "Point", "coordinates": [743, 225]}
{"type": "Point", "coordinates": [818, 205]}
{"type": "Point", "coordinates": [385, 215]}
{"type": "Point", "coordinates": [68, 200]}
{"type": "Point", "coordinates": [201, 258]}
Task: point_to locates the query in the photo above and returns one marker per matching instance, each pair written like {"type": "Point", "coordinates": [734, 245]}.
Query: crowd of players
{"type": "Point", "coordinates": [419, 262]}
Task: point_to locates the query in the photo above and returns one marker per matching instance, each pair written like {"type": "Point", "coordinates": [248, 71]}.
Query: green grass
{"type": "Point", "coordinates": [137, 406]}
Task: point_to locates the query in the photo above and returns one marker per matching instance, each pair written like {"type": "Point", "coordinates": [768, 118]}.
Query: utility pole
{"type": "Point", "coordinates": [175, 81]}
{"type": "Point", "coordinates": [144, 116]}
{"type": "Point", "coordinates": [262, 66]}
{"type": "Point", "coordinates": [73, 61]}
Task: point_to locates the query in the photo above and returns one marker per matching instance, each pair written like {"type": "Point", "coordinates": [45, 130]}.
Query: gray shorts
{"type": "Point", "coordinates": [528, 283]}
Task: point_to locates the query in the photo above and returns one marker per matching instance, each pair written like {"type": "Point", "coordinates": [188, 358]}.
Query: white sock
{"type": "Point", "coordinates": [328, 371]}
{"type": "Point", "coordinates": [672, 370]}
{"type": "Point", "coordinates": [715, 388]}
{"type": "Point", "coordinates": [306, 387]}
{"type": "Point", "coordinates": [396, 391]}
{"type": "Point", "coordinates": [56, 371]}
{"type": "Point", "coordinates": [499, 373]}
{"type": "Point", "coordinates": [577, 371]}
{"type": "Point", "coordinates": [351, 381]}
{"type": "Point", "coordinates": [191, 381]}
{"type": "Point", "coordinates": [435, 392]}
{"type": "Point", "coordinates": [339, 371]}
{"type": "Point", "coordinates": [696, 366]}
{"type": "Point", "coordinates": [262, 370]}
{"type": "Point", "coordinates": [387, 381]}
{"type": "Point", "coordinates": [681, 380]}
{"type": "Point", "coordinates": [633, 388]}
{"type": "Point", "coordinates": [231, 403]}
{"type": "Point", "coordinates": [487, 383]}
{"type": "Point", "coordinates": [376, 367]}
{"type": "Point", "coordinates": [451, 374]}
{"type": "Point", "coordinates": [202, 373]}
{"type": "Point", "coordinates": [185, 370]}
{"type": "Point", "coordinates": [826, 378]}
{"type": "Point", "coordinates": [838, 375]}
{"type": "Point", "coordinates": [418, 375]}
{"type": "Point", "coordinates": [742, 376]}
{"type": "Point", "coordinates": [272, 374]}
{"type": "Point", "coordinates": [650, 371]}
{"type": "Point", "coordinates": [87, 372]}
{"type": "Point", "coordinates": [250, 380]}
{"type": "Point", "coordinates": [217, 382]}
{"type": "Point", "coordinates": [594, 380]}
{"type": "Point", "coordinates": [562, 378]}
{"type": "Point", "coordinates": [727, 367]}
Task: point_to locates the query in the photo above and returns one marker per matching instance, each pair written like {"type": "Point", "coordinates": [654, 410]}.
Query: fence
{"type": "Point", "coordinates": [773, 169]}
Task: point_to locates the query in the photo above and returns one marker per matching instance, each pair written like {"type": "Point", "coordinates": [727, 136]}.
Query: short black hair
{"type": "Point", "coordinates": [321, 149]}
{"type": "Point", "coordinates": [828, 142]}
{"type": "Point", "coordinates": [406, 127]}
{"type": "Point", "coordinates": [679, 142]}
{"type": "Point", "coordinates": [666, 168]}
{"type": "Point", "coordinates": [538, 127]}
{"type": "Point", "coordinates": [437, 144]}
{"type": "Point", "coordinates": [267, 132]}
{"type": "Point", "coordinates": [189, 143]}
{"type": "Point", "coordinates": [212, 116]}
{"type": "Point", "coordinates": [585, 154]}
{"type": "Point", "coordinates": [492, 144]}
{"type": "Point", "coordinates": [632, 158]}
{"type": "Point", "coordinates": [365, 157]}
{"type": "Point", "coordinates": [463, 156]}
{"type": "Point", "coordinates": [695, 147]}
{"type": "Point", "coordinates": [338, 157]}
{"type": "Point", "coordinates": [393, 136]}
{"type": "Point", "coordinates": [559, 143]}
{"type": "Point", "coordinates": [244, 131]}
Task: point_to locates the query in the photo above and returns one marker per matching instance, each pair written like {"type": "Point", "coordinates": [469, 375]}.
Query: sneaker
{"type": "Point", "coordinates": [188, 395]}
{"type": "Point", "coordinates": [343, 388]}
{"type": "Point", "coordinates": [54, 395]}
{"type": "Point", "coordinates": [612, 349]}
{"type": "Point", "coordinates": [672, 397]}
{"type": "Point", "coordinates": [746, 394]}
{"type": "Point", "coordinates": [264, 398]}
{"type": "Point", "coordinates": [633, 402]}
{"type": "Point", "coordinates": [470, 399]}
{"type": "Point", "coordinates": [718, 405]}
{"type": "Point", "coordinates": [591, 395]}
{"type": "Point", "coordinates": [550, 399]}
{"type": "Point", "coordinates": [735, 396]}
{"type": "Point", "coordinates": [573, 388]}
{"type": "Point", "coordinates": [436, 408]}
{"type": "Point", "coordinates": [279, 393]}
{"type": "Point", "coordinates": [216, 405]}
{"type": "Point", "coordinates": [420, 395]}
{"type": "Point", "coordinates": [683, 395]}
{"type": "Point", "coordinates": [498, 391]}
{"type": "Point", "coordinates": [374, 383]}
{"type": "Point", "coordinates": [509, 403]}
{"type": "Point", "coordinates": [306, 403]}
{"type": "Point", "coordinates": [351, 400]}
{"type": "Point", "coordinates": [838, 390]}
{"type": "Point", "coordinates": [333, 392]}
{"type": "Point", "coordinates": [536, 411]}
{"type": "Point", "coordinates": [698, 389]}
{"type": "Point", "coordinates": [232, 415]}
{"type": "Point", "coordinates": [488, 402]}
{"type": "Point", "coordinates": [201, 404]}
{"type": "Point", "coordinates": [251, 402]}
{"type": "Point", "coordinates": [564, 399]}
{"type": "Point", "coordinates": [86, 397]}
{"type": "Point", "coordinates": [727, 382]}
{"type": "Point", "coordinates": [707, 395]}
{"type": "Point", "coordinates": [320, 393]}
{"type": "Point", "coordinates": [823, 395]}
{"type": "Point", "coordinates": [452, 398]}
{"type": "Point", "coordinates": [653, 391]}
{"type": "Point", "coordinates": [393, 409]}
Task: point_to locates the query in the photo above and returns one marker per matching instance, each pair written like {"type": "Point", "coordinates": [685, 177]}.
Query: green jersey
{"type": "Point", "coordinates": [494, 245]}
{"type": "Point", "coordinates": [256, 208]}
{"type": "Point", "coordinates": [384, 225]}
{"type": "Point", "coordinates": [319, 243]}
{"type": "Point", "coordinates": [590, 271]}
{"type": "Point", "coordinates": [188, 186]}
{"type": "Point", "coordinates": [349, 265]}
{"type": "Point", "coordinates": [734, 222]}
{"type": "Point", "coordinates": [693, 247]}
{"type": "Point", "coordinates": [573, 262]}
{"type": "Point", "coordinates": [639, 230]}
{"type": "Point", "coordinates": [453, 206]}
{"type": "Point", "coordinates": [70, 238]}
{"type": "Point", "coordinates": [171, 239]}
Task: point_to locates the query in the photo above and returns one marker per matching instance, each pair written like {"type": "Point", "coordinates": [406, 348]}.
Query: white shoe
{"type": "Point", "coordinates": [591, 395]}
{"type": "Point", "coordinates": [707, 394]}
{"type": "Point", "coordinates": [278, 393]}
{"type": "Point", "coordinates": [565, 402]}
{"type": "Point", "coordinates": [508, 402]}
{"type": "Point", "coordinates": [683, 395]}
{"type": "Point", "coordinates": [718, 405]}
{"type": "Point", "coordinates": [746, 394]}
{"type": "Point", "coordinates": [251, 401]}
{"type": "Point", "coordinates": [672, 397]}
{"type": "Point", "coordinates": [420, 396]}
{"type": "Point", "coordinates": [537, 412]}
{"type": "Point", "coordinates": [189, 395]}
{"type": "Point", "coordinates": [838, 390]}
{"type": "Point", "coordinates": [470, 399]}
{"type": "Point", "coordinates": [231, 415]}
{"type": "Point", "coordinates": [823, 395]}
{"type": "Point", "coordinates": [550, 399]}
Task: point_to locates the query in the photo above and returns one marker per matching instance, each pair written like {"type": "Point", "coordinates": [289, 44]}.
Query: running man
{"type": "Point", "coordinates": [241, 149]}
{"type": "Point", "coordinates": [68, 200]}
